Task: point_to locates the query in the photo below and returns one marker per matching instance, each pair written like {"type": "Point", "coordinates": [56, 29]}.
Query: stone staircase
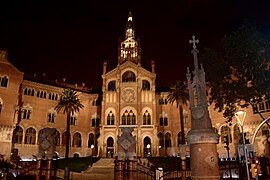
{"type": "Point", "coordinates": [101, 170]}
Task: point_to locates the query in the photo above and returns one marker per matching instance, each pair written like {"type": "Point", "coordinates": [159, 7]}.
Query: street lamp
{"type": "Point", "coordinates": [240, 116]}
{"type": "Point", "coordinates": [92, 148]}
{"type": "Point", "coordinates": [148, 149]}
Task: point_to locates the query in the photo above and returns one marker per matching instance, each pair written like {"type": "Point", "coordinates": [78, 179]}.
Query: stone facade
{"type": "Point", "coordinates": [129, 98]}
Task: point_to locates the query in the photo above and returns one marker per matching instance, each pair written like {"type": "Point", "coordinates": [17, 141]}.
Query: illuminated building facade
{"type": "Point", "coordinates": [129, 98]}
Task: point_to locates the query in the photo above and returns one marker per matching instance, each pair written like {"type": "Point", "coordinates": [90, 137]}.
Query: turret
{"type": "Point", "coordinates": [129, 49]}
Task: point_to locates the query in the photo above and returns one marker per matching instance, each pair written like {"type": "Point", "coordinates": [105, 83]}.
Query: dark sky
{"type": "Point", "coordinates": [71, 39]}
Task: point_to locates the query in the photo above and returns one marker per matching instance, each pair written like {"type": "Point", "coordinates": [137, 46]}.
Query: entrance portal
{"type": "Point", "coordinates": [109, 151]}
{"type": "Point", "coordinates": [147, 147]}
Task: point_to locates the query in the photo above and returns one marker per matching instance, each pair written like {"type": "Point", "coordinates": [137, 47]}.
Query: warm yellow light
{"type": "Point", "coordinates": [240, 116]}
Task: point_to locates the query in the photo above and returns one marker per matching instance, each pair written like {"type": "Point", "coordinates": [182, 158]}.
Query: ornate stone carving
{"type": "Point", "coordinates": [202, 136]}
{"type": "Point", "coordinates": [128, 94]}
{"type": "Point", "coordinates": [46, 143]}
{"type": "Point", "coordinates": [211, 159]}
{"type": "Point", "coordinates": [126, 144]}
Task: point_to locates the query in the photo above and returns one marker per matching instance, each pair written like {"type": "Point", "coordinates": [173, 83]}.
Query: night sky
{"type": "Point", "coordinates": [71, 39]}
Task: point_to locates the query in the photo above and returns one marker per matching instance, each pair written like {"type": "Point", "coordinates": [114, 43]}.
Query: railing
{"type": "Point", "coordinates": [145, 171]}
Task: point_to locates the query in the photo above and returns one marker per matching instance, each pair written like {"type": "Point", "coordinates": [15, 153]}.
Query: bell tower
{"type": "Point", "coordinates": [129, 49]}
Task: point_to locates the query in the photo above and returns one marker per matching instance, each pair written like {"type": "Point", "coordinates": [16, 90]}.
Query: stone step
{"type": "Point", "coordinates": [104, 162]}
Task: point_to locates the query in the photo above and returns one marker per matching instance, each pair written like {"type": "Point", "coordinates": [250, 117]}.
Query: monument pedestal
{"type": "Point", "coordinates": [203, 150]}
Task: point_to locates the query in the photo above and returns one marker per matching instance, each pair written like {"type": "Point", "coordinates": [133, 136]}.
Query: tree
{"type": "Point", "coordinates": [238, 74]}
{"type": "Point", "coordinates": [179, 94]}
{"type": "Point", "coordinates": [69, 103]}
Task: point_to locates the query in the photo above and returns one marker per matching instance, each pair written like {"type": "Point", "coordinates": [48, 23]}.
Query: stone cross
{"type": "Point", "coordinates": [193, 41]}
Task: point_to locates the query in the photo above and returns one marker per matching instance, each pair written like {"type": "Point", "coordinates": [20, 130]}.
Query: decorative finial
{"type": "Point", "coordinates": [193, 41]}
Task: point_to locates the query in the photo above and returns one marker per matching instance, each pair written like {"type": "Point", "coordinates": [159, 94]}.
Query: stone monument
{"type": "Point", "coordinates": [125, 160]}
{"type": "Point", "coordinates": [46, 149]}
{"type": "Point", "coordinates": [202, 137]}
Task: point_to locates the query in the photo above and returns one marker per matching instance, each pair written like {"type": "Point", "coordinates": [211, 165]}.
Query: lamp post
{"type": "Point", "coordinates": [240, 116]}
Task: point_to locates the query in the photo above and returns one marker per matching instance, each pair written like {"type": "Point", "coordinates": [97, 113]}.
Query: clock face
{"type": "Point", "coordinates": [128, 94]}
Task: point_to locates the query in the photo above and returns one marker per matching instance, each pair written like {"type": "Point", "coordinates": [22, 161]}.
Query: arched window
{"type": "Point", "coordinates": [64, 138]}
{"type": "Point", "coordinates": [1, 105]}
{"type": "Point", "coordinates": [179, 139]}
{"type": "Point", "coordinates": [77, 140]}
{"type": "Point", "coordinates": [91, 140]}
{"type": "Point", "coordinates": [110, 118]}
{"type": "Point", "coordinates": [95, 120]}
{"type": "Point", "coordinates": [51, 116]}
{"type": "Point", "coordinates": [146, 118]}
{"type": "Point", "coordinates": [112, 86]}
{"type": "Point", "coordinates": [128, 77]}
{"type": "Point", "coordinates": [57, 138]}
{"type": "Point", "coordinates": [74, 119]}
{"type": "Point", "coordinates": [163, 121]}
{"type": "Point", "coordinates": [161, 140]}
{"type": "Point", "coordinates": [38, 93]}
{"type": "Point", "coordinates": [225, 132]}
{"type": "Point", "coordinates": [30, 136]}
{"type": "Point", "coordinates": [237, 135]}
{"type": "Point", "coordinates": [128, 118]}
{"type": "Point", "coordinates": [168, 140]}
{"type": "Point", "coordinates": [4, 81]}
{"type": "Point", "coordinates": [27, 112]}
{"type": "Point", "coordinates": [26, 91]}
{"type": "Point", "coordinates": [147, 146]}
{"type": "Point", "coordinates": [17, 135]}
{"type": "Point", "coordinates": [145, 85]}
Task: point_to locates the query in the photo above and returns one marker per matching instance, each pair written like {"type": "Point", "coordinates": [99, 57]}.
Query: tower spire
{"type": "Point", "coordinates": [129, 49]}
{"type": "Point", "coordinates": [130, 30]}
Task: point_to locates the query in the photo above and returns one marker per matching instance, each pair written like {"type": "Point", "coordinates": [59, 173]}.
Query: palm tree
{"type": "Point", "coordinates": [179, 94]}
{"type": "Point", "coordinates": [70, 103]}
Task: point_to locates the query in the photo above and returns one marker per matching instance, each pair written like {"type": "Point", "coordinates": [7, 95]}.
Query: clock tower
{"type": "Point", "coordinates": [128, 99]}
{"type": "Point", "coordinates": [129, 49]}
